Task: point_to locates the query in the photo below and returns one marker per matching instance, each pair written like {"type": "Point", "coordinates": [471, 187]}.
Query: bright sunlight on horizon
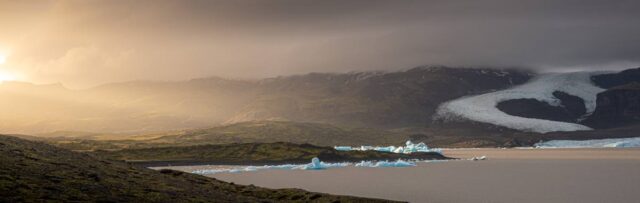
{"type": "Point", "coordinates": [4, 75]}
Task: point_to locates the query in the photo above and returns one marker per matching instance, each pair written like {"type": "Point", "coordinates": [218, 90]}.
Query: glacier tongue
{"type": "Point", "coordinates": [482, 108]}
{"type": "Point", "coordinates": [600, 143]}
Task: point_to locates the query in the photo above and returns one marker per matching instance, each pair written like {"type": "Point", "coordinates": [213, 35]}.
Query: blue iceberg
{"type": "Point", "coordinates": [409, 148]}
{"type": "Point", "coordinates": [343, 148]}
{"type": "Point", "coordinates": [397, 163]}
{"type": "Point", "coordinates": [315, 164]}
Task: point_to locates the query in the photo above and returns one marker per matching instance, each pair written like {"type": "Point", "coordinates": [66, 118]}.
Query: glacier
{"type": "Point", "coordinates": [409, 148]}
{"type": "Point", "coordinates": [482, 108]}
{"type": "Point", "coordinates": [598, 143]}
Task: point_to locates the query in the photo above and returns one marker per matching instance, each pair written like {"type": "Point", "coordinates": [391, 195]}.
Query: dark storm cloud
{"type": "Point", "coordinates": [89, 42]}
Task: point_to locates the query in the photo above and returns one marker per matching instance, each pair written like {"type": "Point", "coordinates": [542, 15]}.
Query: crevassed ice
{"type": "Point", "coordinates": [482, 108]}
{"type": "Point", "coordinates": [409, 148]}
{"type": "Point", "coordinates": [599, 143]}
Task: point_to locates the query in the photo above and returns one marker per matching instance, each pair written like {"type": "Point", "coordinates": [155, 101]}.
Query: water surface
{"type": "Point", "coordinates": [513, 175]}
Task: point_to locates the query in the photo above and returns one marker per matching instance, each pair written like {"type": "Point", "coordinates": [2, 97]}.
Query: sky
{"type": "Point", "coordinates": [86, 43]}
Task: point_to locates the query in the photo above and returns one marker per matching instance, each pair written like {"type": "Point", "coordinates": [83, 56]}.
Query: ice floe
{"type": "Point", "coordinates": [482, 108]}
{"type": "Point", "coordinates": [599, 143]}
{"type": "Point", "coordinates": [409, 148]}
{"type": "Point", "coordinates": [479, 158]}
{"type": "Point", "coordinates": [315, 164]}
{"type": "Point", "coordinates": [397, 163]}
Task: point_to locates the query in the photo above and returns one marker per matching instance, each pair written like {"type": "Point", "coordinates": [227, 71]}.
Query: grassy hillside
{"type": "Point", "coordinates": [463, 134]}
{"type": "Point", "coordinates": [252, 153]}
{"type": "Point", "coordinates": [381, 100]}
{"type": "Point", "coordinates": [282, 131]}
{"type": "Point", "coordinates": [37, 172]}
{"type": "Point", "coordinates": [246, 132]}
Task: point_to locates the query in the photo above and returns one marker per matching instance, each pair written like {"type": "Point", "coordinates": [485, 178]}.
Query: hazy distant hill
{"type": "Point", "coordinates": [370, 99]}
{"type": "Point", "coordinates": [382, 100]}
{"type": "Point", "coordinates": [281, 131]}
{"type": "Point", "coordinates": [319, 108]}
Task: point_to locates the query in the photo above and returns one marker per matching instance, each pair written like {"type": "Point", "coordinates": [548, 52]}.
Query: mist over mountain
{"type": "Point", "coordinates": [365, 99]}
{"type": "Point", "coordinates": [379, 100]}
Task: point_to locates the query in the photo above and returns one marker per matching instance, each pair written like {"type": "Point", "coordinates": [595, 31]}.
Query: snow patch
{"type": "Point", "coordinates": [599, 143]}
{"type": "Point", "coordinates": [482, 108]}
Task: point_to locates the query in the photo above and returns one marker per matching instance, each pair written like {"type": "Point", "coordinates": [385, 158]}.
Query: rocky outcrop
{"type": "Point", "coordinates": [570, 110]}
{"type": "Point", "coordinates": [617, 106]}
{"type": "Point", "coordinates": [617, 79]}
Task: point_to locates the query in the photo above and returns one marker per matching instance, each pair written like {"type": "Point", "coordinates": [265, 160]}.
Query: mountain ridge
{"type": "Point", "coordinates": [365, 99]}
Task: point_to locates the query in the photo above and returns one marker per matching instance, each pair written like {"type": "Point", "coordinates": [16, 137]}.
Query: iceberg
{"type": "Point", "coordinates": [385, 149]}
{"type": "Point", "coordinates": [397, 163]}
{"type": "Point", "coordinates": [478, 158]}
{"type": "Point", "coordinates": [597, 143]}
{"type": "Point", "coordinates": [315, 164]}
{"type": "Point", "coordinates": [409, 148]}
{"type": "Point", "coordinates": [343, 148]}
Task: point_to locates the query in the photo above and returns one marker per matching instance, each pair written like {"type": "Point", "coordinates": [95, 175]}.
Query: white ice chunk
{"type": "Point", "coordinates": [376, 164]}
{"type": "Point", "coordinates": [598, 143]}
{"type": "Point", "coordinates": [478, 158]}
{"type": "Point", "coordinates": [343, 148]}
{"type": "Point", "coordinates": [315, 164]}
{"type": "Point", "coordinates": [409, 148]}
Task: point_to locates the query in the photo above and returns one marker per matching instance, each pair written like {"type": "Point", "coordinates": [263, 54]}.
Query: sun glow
{"type": "Point", "coordinates": [5, 76]}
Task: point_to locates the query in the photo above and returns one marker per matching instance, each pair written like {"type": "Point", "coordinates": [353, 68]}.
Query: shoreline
{"type": "Point", "coordinates": [169, 163]}
{"type": "Point", "coordinates": [145, 163]}
{"type": "Point", "coordinates": [447, 153]}
{"type": "Point", "coordinates": [508, 175]}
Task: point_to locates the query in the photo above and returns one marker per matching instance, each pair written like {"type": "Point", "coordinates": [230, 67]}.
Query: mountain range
{"type": "Point", "coordinates": [405, 102]}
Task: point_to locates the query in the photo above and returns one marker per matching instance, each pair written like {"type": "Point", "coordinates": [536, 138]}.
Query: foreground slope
{"type": "Point", "coordinates": [33, 171]}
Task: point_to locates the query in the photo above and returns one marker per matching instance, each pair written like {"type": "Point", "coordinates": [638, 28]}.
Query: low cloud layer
{"type": "Point", "coordinates": [85, 43]}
